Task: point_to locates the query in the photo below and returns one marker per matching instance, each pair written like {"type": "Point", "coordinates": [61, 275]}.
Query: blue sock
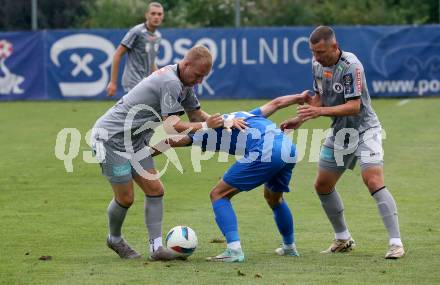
{"type": "Point", "coordinates": [226, 219]}
{"type": "Point", "coordinates": [284, 220]}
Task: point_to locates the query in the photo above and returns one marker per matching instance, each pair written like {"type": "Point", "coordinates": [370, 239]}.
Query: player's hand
{"type": "Point", "coordinates": [215, 121]}
{"type": "Point", "coordinates": [111, 89]}
{"type": "Point", "coordinates": [306, 97]}
{"type": "Point", "coordinates": [237, 123]}
{"type": "Point", "coordinates": [307, 112]}
{"type": "Point", "coordinates": [291, 124]}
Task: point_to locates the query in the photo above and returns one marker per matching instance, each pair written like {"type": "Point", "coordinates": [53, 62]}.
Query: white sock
{"type": "Point", "coordinates": [114, 239]}
{"type": "Point", "coordinates": [343, 235]}
{"type": "Point", "coordinates": [289, 246]}
{"type": "Point", "coordinates": [155, 244]}
{"type": "Point", "coordinates": [396, 241]}
{"type": "Point", "coordinates": [235, 245]}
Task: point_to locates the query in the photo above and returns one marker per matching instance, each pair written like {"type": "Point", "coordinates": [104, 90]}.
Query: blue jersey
{"type": "Point", "coordinates": [261, 136]}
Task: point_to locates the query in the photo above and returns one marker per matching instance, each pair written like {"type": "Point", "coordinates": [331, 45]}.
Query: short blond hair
{"type": "Point", "coordinates": [199, 53]}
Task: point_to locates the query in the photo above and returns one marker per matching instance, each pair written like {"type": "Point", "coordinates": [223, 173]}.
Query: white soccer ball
{"type": "Point", "coordinates": [181, 240]}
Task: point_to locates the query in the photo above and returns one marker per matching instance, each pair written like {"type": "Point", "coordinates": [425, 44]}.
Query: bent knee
{"type": "Point", "coordinates": [323, 187]}
{"type": "Point", "coordinates": [373, 183]}
{"type": "Point", "coordinates": [215, 194]}
{"type": "Point", "coordinates": [156, 191]}
{"type": "Point", "coordinates": [152, 188]}
{"type": "Point", "coordinates": [125, 200]}
{"type": "Point", "coordinates": [273, 198]}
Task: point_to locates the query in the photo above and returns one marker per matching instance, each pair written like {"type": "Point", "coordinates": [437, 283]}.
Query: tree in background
{"type": "Point", "coordinates": [113, 14]}
{"type": "Point", "coordinates": [15, 14]}
{"type": "Point", "coordinates": [59, 14]}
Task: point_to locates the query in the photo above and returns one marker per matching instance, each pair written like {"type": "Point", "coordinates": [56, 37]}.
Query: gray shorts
{"type": "Point", "coordinates": [367, 149]}
{"type": "Point", "coordinates": [115, 165]}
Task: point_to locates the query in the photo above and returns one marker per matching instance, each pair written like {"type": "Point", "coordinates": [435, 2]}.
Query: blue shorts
{"type": "Point", "coordinates": [275, 175]}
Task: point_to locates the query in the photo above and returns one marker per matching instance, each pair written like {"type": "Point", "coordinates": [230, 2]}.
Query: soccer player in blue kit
{"type": "Point", "coordinates": [268, 157]}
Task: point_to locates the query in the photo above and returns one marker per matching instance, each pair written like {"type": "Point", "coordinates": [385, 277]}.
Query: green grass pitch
{"type": "Point", "coordinates": [46, 211]}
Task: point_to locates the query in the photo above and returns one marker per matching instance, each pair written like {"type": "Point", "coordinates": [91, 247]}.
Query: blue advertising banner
{"type": "Point", "coordinates": [78, 62]}
{"type": "Point", "coordinates": [399, 61]}
{"type": "Point", "coordinates": [22, 73]}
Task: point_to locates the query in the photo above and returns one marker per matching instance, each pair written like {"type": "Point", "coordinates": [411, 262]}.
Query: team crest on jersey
{"type": "Point", "coordinates": [152, 44]}
{"type": "Point", "coordinates": [337, 87]}
{"type": "Point", "coordinates": [347, 80]}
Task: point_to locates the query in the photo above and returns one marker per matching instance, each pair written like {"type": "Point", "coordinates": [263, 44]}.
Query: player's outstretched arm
{"type": "Point", "coordinates": [284, 101]}
{"type": "Point", "coordinates": [173, 125]}
{"type": "Point", "coordinates": [291, 124]}
{"type": "Point", "coordinates": [171, 142]}
{"type": "Point", "coordinates": [197, 115]}
{"type": "Point", "coordinates": [350, 108]}
{"type": "Point", "coordinates": [202, 116]}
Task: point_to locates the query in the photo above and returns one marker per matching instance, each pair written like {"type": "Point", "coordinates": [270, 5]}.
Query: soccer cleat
{"type": "Point", "coordinates": [163, 254]}
{"type": "Point", "coordinates": [123, 249]}
{"type": "Point", "coordinates": [340, 245]}
{"type": "Point", "coordinates": [229, 255]}
{"type": "Point", "coordinates": [291, 251]}
{"type": "Point", "coordinates": [395, 252]}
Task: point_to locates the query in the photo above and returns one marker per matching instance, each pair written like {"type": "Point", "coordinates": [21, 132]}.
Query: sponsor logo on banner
{"type": "Point", "coordinates": [407, 60]}
{"type": "Point", "coordinates": [337, 87]}
{"type": "Point", "coordinates": [9, 82]}
{"type": "Point", "coordinates": [347, 80]}
{"type": "Point", "coordinates": [358, 80]}
{"type": "Point", "coordinates": [83, 64]}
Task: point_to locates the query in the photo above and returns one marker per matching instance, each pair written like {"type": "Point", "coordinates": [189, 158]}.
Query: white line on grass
{"type": "Point", "coordinates": [403, 102]}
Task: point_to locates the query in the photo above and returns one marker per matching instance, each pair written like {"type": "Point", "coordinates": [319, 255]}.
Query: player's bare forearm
{"type": "Point", "coordinates": [174, 125]}
{"type": "Point", "coordinates": [120, 51]}
{"type": "Point", "coordinates": [174, 141]}
{"type": "Point", "coordinates": [291, 124]}
{"type": "Point", "coordinates": [112, 85]}
{"type": "Point", "coordinates": [115, 68]}
{"type": "Point", "coordinates": [282, 102]}
{"type": "Point", "coordinates": [350, 108]}
{"type": "Point", "coordinates": [197, 116]}
{"type": "Point", "coordinates": [154, 67]}
{"type": "Point", "coordinates": [315, 100]}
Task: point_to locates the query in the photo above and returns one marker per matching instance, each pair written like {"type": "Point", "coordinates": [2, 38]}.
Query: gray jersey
{"type": "Point", "coordinates": [342, 82]}
{"type": "Point", "coordinates": [161, 92]}
{"type": "Point", "coordinates": [142, 48]}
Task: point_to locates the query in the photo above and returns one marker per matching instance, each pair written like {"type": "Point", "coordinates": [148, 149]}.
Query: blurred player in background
{"type": "Point", "coordinates": [141, 44]}
{"type": "Point", "coordinates": [341, 93]}
{"type": "Point", "coordinates": [118, 145]}
{"type": "Point", "coordinates": [268, 158]}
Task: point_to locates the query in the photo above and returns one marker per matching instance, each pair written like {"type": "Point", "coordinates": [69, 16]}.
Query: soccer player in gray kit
{"type": "Point", "coordinates": [141, 44]}
{"type": "Point", "coordinates": [341, 92]}
{"type": "Point", "coordinates": [123, 132]}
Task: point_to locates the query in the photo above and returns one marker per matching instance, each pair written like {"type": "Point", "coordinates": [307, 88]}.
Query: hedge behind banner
{"type": "Point", "coordinates": [399, 61]}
